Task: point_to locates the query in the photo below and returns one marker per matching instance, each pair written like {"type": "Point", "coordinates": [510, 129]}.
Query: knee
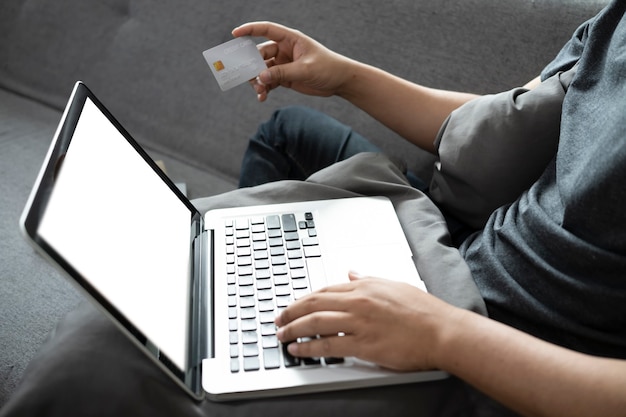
{"type": "Point", "coordinates": [286, 123]}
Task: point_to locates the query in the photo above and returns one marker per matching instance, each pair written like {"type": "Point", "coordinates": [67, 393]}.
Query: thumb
{"type": "Point", "coordinates": [280, 74]}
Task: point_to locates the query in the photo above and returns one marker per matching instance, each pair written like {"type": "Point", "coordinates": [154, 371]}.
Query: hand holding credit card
{"type": "Point", "coordinates": [234, 62]}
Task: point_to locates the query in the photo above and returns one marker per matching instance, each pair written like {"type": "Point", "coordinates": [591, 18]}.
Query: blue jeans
{"type": "Point", "coordinates": [298, 141]}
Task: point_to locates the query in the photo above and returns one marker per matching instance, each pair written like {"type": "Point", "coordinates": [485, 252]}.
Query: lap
{"type": "Point", "coordinates": [88, 367]}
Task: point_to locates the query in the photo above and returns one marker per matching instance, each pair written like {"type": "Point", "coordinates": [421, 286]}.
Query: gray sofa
{"type": "Point", "coordinates": [144, 61]}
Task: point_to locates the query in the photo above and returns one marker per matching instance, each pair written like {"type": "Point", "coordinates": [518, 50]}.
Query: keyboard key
{"type": "Point", "coordinates": [281, 280]}
{"type": "Point", "coordinates": [275, 241]}
{"type": "Point", "coordinates": [272, 222]}
{"type": "Point", "coordinates": [300, 283]}
{"type": "Point", "coordinates": [245, 270]}
{"type": "Point", "coordinates": [288, 360]}
{"type": "Point", "coordinates": [233, 338]}
{"type": "Point", "coordinates": [248, 325]}
{"type": "Point", "coordinates": [262, 264]}
{"type": "Point", "coordinates": [292, 244]}
{"type": "Point", "coordinates": [264, 284]}
{"type": "Point", "coordinates": [298, 273]}
{"type": "Point", "coordinates": [251, 349]}
{"type": "Point", "coordinates": [280, 270]}
{"type": "Point", "coordinates": [232, 312]}
{"type": "Point", "coordinates": [246, 280]}
{"type": "Point", "coordinates": [264, 295]}
{"type": "Point", "coordinates": [269, 342]}
{"type": "Point", "coordinates": [259, 245]}
{"type": "Point", "coordinates": [294, 254]}
{"type": "Point", "coordinates": [262, 273]}
{"type": "Point", "coordinates": [234, 351]}
{"type": "Point", "coordinates": [266, 317]}
{"type": "Point", "coordinates": [258, 237]}
{"type": "Point", "coordinates": [290, 236]}
{"type": "Point", "coordinates": [310, 241]}
{"type": "Point", "coordinates": [247, 301]}
{"type": "Point", "coordinates": [261, 254]}
{"type": "Point", "coordinates": [244, 261]}
{"type": "Point", "coordinates": [308, 216]}
{"type": "Point", "coordinates": [279, 260]}
{"type": "Point", "coordinates": [257, 220]}
{"type": "Point", "coordinates": [248, 313]}
{"type": "Point", "coordinates": [277, 250]}
{"type": "Point", "coordinates": [271, 358]}
{"type": "Point", "coordinates": [301, 225]}
{"type": "Point", "coordinates": [242, 233]}
{"type": "Point", "coordinates": [247, 291]}
{"type": "Point", "coordinates": [296, 263]}
{"type": "Point", "coordinates": [251, 364]}
{"type": "Point", "coordinates": [241, 224]}
{"type": "Point", "coordinates": [257, 228]}
{"type": "Point", "coordinates": [232, 325]}
{"type": "Point", "coordinates": [289, 223]}
{"type": "Point", "coordinates": [268, 329]}
{"type": "Point", "coordinates": [243, 242]}
{"type": "Point", "coordinates": [282, 290]}
{"type": "Point", "coordinates": [249, 337]}
{"type": "Point", "coordinates": [283, 301]}
{"type": "Point", "coordinates": [266, 305]}
{"type": "Point", "coordinates": [234, 365]}
{"type": "Point", "coordinates": [274, 233]}
{"type": "Point", "coordinates": [311, 361]}
{"type": "Point", "coordinates": [298, 294]}
{"type": "Point", "coordinates": [333, 361]}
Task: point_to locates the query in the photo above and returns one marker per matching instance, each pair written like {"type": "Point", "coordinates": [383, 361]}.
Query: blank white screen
{"type": "Point", "coordinates": [120, 226]}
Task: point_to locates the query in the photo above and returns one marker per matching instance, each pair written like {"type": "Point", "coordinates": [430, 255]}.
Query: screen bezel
{"type": "Point", "coordinates": [188, 378]}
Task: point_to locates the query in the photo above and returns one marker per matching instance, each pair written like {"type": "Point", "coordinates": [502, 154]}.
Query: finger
{"type": "Point", "coordinates": [268, 50]}
{"type": "Point", "coordinates": [355, 276]}
{"type": "Point", "coordinates": [269, 30]}
{"type": "Point", "coordinates": [325, 323]}
{"type": "Point", "coordinates": [312, 303]}
{"type": "Point", "coordinates": [330, 346]}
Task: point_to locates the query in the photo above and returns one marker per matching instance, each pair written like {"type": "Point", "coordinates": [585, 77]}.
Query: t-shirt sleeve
{"type": "Point", "coordinates": [570, 53]}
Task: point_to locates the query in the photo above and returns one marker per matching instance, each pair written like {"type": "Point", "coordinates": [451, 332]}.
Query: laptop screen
{"type": "Point", "coordinates": [113, 219]}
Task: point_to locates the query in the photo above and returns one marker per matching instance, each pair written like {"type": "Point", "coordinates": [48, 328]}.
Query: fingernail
{"type": "Point", "coordinates": [265, 76]}
{"type": "Point", "coordinates": [292, 348]}
{"type": "Point", "coordinates": [355, 275]}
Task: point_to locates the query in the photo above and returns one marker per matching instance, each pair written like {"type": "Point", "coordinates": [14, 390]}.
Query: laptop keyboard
{"type": "Point", "coordinates": [269, 260]}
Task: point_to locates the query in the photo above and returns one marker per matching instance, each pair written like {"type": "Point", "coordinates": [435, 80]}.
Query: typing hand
{"type": "Point", "coordinates": [295, 61]}
{"type": "Point", "coordinates": [392, 324]}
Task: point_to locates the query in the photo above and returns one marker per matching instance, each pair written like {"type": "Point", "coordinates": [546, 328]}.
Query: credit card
{"type": "Point", "coordinates": [234, 62]}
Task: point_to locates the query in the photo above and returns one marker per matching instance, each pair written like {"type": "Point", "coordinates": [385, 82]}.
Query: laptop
{"type": "Point", "coordinates": [198, 293]}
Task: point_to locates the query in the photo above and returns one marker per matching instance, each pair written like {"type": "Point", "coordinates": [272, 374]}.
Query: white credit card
{"type": "Point", "coordinates": [235, 62]}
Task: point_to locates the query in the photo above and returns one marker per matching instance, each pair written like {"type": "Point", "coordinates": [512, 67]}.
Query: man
{"type": "Point", "coordinates": [550, 260]}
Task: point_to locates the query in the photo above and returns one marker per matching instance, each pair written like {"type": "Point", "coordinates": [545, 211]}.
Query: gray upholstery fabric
{"type": "Point", "coordinates": [143, 59]}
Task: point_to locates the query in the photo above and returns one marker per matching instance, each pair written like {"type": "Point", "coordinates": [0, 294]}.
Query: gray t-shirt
{"type": "Point", "coordinates": [553, 263]}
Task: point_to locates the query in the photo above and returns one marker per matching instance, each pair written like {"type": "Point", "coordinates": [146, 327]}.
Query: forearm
{"type": "Point", "coordinates": [530, 375]}
{"type": "Point", "coordinates": [413, 111]}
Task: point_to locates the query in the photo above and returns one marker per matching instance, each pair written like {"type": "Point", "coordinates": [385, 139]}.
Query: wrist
{"type": "Point", "coordinates": [448, 338]}
{"type": "Point", "coordinates": [355, 79]}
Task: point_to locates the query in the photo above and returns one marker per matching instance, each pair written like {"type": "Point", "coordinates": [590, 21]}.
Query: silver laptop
{"type": "Point", "coordinates": [199, 294]}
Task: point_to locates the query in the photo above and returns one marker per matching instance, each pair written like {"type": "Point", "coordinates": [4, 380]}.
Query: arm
{"type": "Point", "coordinates": [299, 62]}
{"type": "Point", "coordinates": [403, 328]}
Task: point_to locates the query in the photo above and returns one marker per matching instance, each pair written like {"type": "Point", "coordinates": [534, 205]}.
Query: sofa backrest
{"type": "Point", "coordinates": [144, 58]}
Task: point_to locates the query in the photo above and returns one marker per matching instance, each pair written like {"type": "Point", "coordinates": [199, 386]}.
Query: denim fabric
{"type": "Point", "coordinates": [297, 142]}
